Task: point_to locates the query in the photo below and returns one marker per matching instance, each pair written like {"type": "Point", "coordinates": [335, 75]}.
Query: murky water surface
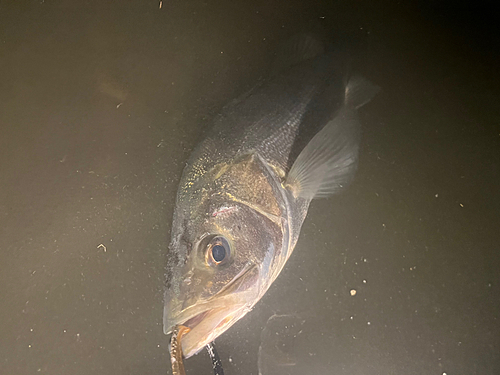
{"type": "Point", "coordinates": [100, 106]}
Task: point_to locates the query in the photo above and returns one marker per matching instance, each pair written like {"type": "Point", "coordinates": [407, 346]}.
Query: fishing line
{"type": "Point", "coordinates": [214, 356]}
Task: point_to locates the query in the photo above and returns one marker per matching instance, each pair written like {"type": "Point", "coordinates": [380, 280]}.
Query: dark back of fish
{"type": "Point", "coordinates": [277, 118]}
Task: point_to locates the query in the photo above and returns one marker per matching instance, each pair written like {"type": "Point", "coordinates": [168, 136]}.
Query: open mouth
{"type": "Point", "coordinates": [194, 321]}
{"type": "Point", "coordinates": [222, 314]}
{"type": "Point", "coordinates": [234, 295]}
{"type": "Point", "coordinates": [211, 318]}
{"type": "Point", "coordinates": [208, 325]}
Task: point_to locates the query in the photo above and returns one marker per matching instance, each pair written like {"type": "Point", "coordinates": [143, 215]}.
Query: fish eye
{"type": "Point", "coordinates": [218, 251]}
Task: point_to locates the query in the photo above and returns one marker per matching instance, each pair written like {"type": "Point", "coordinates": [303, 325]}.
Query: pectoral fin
{"type": "Point", "coordinates": [328, 162]}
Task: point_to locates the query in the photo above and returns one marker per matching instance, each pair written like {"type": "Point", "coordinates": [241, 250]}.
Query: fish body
{"type": "Point", "coordinates": [246, 189]}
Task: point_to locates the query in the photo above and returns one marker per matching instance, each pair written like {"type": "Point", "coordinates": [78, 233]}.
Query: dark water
{"type": "Point", "coordinates": [100, 105]}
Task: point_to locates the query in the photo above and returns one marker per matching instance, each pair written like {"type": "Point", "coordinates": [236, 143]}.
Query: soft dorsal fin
{"type": "Point", "coordinates": [329, 160]}
{"type": "Point", "coordinates": [299, 48]}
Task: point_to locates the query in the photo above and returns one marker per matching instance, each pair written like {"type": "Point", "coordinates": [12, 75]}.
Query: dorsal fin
{"type": "Point", "coordinates": [299, 48]}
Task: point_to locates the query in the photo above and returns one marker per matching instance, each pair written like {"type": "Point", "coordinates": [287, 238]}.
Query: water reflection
{"type": "Point", "coordinates": [278, 349]}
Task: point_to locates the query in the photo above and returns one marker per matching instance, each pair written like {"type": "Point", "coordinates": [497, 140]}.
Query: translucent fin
{"type": "Point", "coordinates": [359, 91]}
{"type": "Point", "coordinates": [328, 162]}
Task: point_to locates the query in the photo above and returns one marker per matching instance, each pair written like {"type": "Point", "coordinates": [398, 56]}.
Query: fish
{"type": "Point", "coordinates": [246, 188]}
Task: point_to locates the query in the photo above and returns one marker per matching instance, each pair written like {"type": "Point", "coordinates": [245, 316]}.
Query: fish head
{"type": "Point", "coordinates": [227, 237]}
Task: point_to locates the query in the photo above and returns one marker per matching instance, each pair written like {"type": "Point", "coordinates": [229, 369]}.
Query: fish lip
{"type": "Point", "coordinates": [195, 314]}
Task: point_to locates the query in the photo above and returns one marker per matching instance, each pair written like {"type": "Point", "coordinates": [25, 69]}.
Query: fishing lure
{"type": "Point", "coordinates": [176, 350]}
{"type": "Point", "coordinates": [176, 359]}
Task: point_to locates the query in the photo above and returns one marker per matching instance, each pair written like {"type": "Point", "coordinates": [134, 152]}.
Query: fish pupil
{"type": "Point", "coordinates": [218, 253]}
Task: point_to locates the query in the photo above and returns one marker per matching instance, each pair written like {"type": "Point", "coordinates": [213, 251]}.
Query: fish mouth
{"type": "Point", "coordinates": [207, 326]}
{"type": "Point", "coordinates": [211, 318]}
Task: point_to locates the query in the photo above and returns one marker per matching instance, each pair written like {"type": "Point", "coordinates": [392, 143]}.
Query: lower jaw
{"type": "Point", "coordinates": [212, 325]}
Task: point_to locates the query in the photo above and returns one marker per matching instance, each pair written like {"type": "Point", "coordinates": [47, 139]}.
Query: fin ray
{"type": "Point", "coordinates": [328, 162]}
